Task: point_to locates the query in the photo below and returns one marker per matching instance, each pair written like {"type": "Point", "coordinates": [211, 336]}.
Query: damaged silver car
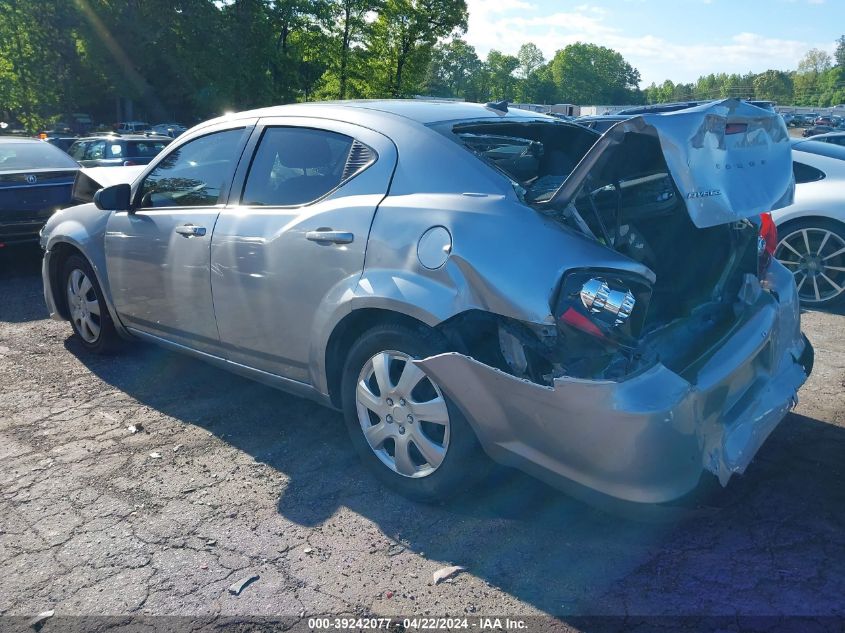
{"type": "Point", "coordinates": [462, 279]}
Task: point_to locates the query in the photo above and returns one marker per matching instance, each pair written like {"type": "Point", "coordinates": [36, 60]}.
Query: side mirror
{"type": "Point", "coordinates": [114, 198]}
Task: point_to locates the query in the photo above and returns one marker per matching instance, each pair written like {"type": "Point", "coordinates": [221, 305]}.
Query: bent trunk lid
{"type": "Point", "coordinates": [729, 160]}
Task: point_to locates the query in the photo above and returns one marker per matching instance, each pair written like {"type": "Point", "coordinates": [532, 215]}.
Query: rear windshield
{"type": "Point", "coordinates": [537, 155]}
{"type": "Point", "coordinates": [144, 149]}
{"type": "Point", "coordinates": [36, 155]}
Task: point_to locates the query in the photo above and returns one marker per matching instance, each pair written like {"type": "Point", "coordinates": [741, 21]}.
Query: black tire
{"type": "Point", "coordinates": [817, 227]}
{"type": "Point", "coordinates": [464, 462]}
{"type": "Point", "coordinates": [106, 340]}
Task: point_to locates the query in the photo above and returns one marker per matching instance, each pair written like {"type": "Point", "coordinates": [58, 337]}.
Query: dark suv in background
{"type": "Point", "coordinates": [113, 150]}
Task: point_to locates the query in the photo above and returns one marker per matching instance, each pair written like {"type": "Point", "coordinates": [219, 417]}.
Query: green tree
{"type": "Point", "coordinates": [501, 82]}
{"type": "Point", "coordinates": [839, 55]}
{"type": "Point", "coordinates": [455, 71]}
{"type": "Point", "coordinates": [773, 85]}
{"type": "Point", "coordinates": [348, 30]}
{"type": "Point", "coordinates": [402, 37]}
{"type": "Point", "coordinates": [530, 60]}
{"type": "Point", "coordinates": [588, 73]}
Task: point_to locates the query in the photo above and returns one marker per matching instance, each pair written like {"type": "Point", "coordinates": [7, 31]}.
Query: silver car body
{"type": "Point", "coordinates": [821, 198]}
{"type": "Point", "coordinates": [256, 294]}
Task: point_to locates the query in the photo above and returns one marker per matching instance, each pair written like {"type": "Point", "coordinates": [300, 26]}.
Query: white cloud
{"type": "Point", "coordinates": [507, 24]}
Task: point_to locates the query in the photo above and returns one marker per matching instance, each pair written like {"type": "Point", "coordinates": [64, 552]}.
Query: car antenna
{"type": "Point", "coordinates": [501, 106]}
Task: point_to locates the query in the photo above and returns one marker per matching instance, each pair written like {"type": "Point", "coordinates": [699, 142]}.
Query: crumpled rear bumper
{"type": "Point", "coordinates": [647, 438]}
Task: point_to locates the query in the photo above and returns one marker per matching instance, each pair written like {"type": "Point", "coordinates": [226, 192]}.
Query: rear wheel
{"type": "Point", "coordinates": [89, 315]}
{"type": "Point", "coordinates": [404, 428]}
{"type": "Point", "coordinates": [813, 250]}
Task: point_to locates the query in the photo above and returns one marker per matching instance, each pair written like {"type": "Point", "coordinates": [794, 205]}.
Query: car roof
{"type": "Point", "coordinates": [661, 107]}
{"type": "Point", "coordinates": [828, 135]}
{"type": "Point", "coordinates": [423, 111]}
{"type": "Point", "coordinates": [126, 137]}
{"type": "Point", "coordinates": [603, 117]}
{"type": "Point", "coordinates": [820, 148]}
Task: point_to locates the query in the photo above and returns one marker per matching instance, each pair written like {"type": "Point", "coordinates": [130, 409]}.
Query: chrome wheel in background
{"type": "Point", "coordinates": [816, 258]}
{"type": "Point", "coordinates": [84, 306]}
{"type": "Point", "coordinates": [403, 414]}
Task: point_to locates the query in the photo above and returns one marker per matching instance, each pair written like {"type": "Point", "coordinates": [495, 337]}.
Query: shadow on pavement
{"type": "Point", "coordinates": [771, 543]}
{"type": "Point", "coordinates": [21, 297]}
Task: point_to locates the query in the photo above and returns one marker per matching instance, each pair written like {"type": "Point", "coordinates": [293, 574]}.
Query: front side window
{"type": "Point", "coordinates": [194, 174]}
{"type": "Point", "coordinates": [295, 166]}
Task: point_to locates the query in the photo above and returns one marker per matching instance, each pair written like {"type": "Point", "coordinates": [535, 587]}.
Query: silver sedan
{"type": "Point", "coordinates": [462, 280]}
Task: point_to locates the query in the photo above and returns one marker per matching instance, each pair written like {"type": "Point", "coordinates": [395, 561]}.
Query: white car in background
{"type": "Point", "coordinates": [811, 232]}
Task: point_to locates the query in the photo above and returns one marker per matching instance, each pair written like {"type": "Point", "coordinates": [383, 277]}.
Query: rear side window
{"type": "Point", "coordinates": [295, 166]}
{"type": "Point", "coordinates": [195, 174]}
{"type": "Point", "coordinates": [805, 173]}
{"type": "Point", "coordinates": [96, 150]}
{"type": "Point", "coordinates": [144, 149]}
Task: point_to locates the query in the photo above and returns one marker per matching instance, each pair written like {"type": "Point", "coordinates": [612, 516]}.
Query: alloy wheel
{"type": "Point", "coordinates": [816, 258]}
{"type": "Point", "coordinates": [83, 305]}
{"type": "Point", "coordinates": [403, 414]}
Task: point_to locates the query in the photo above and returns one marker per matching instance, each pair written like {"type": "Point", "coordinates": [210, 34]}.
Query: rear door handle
{"type": "Point", "coordinates": [327, 236]}
{"type": "Point", "coordinates": [189, 230]}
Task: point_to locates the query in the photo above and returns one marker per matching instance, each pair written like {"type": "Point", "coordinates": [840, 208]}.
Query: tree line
{"type": "Point", "coordinates": [187, 60]}
{"type": "Point", "coordinates": [819, 81]}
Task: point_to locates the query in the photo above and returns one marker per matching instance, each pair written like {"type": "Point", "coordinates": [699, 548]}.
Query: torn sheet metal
{"type": "Point", "coordinates": [648, 437]}
{"type": "Point", "coordinates": [730, 160]}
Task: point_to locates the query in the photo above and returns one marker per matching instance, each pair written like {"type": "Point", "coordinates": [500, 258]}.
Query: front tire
{"type": "Point", "coordinates": [89, 315]}
{"type": "Point", "coordinates": [403, 427]}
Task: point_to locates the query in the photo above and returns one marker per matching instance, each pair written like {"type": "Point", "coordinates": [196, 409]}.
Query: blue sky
{"type": "Point", "coordinates": [666, 39]}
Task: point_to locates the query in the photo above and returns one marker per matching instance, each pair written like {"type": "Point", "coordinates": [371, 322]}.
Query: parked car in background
{"type": "Point", "coordinates": [111, 150]}
{"type": "Point", "coordinates": [372, 256]}
{"type": "Point", "coordinates": [169, 129]}
{"type": "Point", "coordinates": [823, 120]}
{"type": "Point", "coordinates": [36, 179]}
{"type": "Point", "coordinates": [816, 129]}
{"type": "Point", "coordinates": [132, 127]}
{"type": "Point", "coordinates": [810, 119]}
{"type": "Point", "coordinates": [811, 231]}
{"type": "Point", "coordinates": [790, 119]}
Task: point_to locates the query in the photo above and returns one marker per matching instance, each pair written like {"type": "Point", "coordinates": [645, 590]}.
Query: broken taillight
{"type": "Point", "coordinates": [767, 242]}
{"type": "Point", "coordinates": [769, 232]}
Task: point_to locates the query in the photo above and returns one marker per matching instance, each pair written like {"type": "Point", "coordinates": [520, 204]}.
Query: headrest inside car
{"type": "Point", "coordinates": [305, 151]}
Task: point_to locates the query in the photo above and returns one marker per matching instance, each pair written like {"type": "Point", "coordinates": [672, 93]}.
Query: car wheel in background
{"type": "Point", "coordinates": [89, 315]}
{"type": "Point", "coordinates": [813, 250]}
{"type": "Point", "coordinates": [404, 428]}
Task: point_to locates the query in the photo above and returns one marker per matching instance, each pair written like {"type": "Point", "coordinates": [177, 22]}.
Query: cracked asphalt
{"type": "Point", "coordinates": [228, 479]}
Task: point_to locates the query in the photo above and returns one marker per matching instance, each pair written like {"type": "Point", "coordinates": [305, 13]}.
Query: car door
{"type": "Point", "coordinates": [157, 254]}
{"type": "Point", "coordinates": [294, 235]}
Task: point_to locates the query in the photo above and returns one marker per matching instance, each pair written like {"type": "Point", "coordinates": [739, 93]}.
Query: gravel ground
{"type": "Point", "coordinates": [228, 479]}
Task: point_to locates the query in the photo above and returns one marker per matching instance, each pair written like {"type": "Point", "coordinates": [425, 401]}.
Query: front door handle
{"type": "Point", "coordinates": [327, 236]}
{"type": "Point", "coordinates": [189, 230]}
